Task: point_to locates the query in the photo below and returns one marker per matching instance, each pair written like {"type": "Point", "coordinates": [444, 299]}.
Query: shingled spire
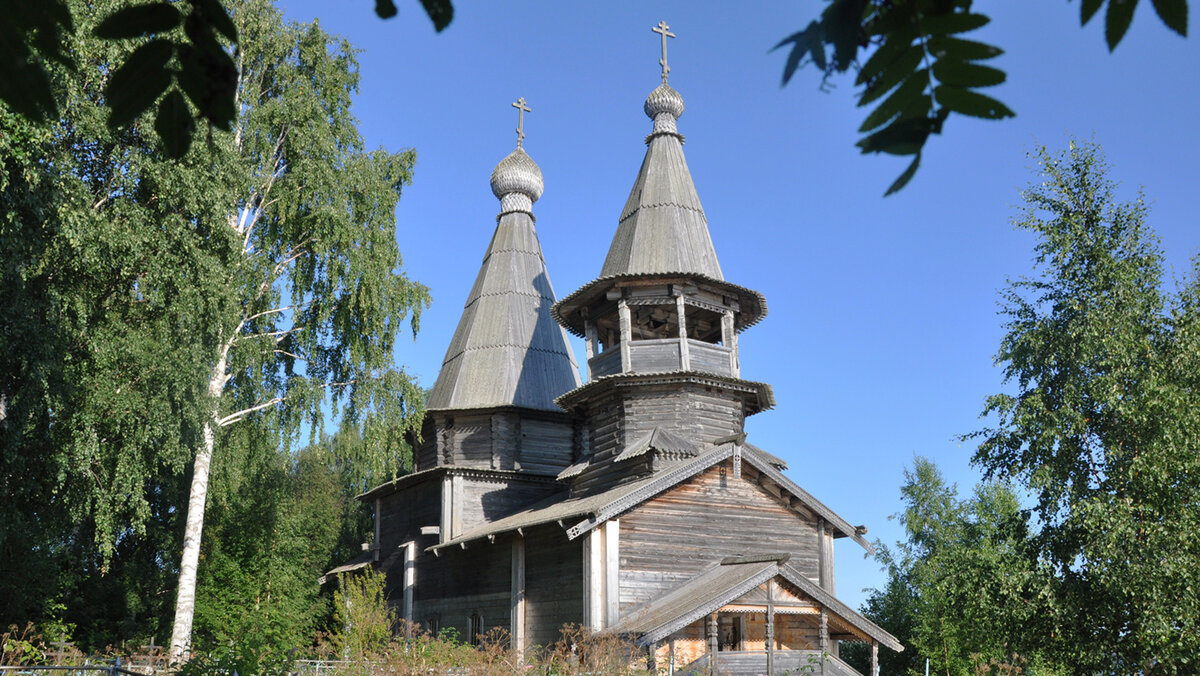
{"type": "Point", "coordinates": [507, 350]}
{"type": "Point", "coordinates": [662, 227]}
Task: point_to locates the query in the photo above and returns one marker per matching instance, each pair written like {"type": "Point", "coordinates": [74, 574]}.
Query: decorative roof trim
{"type": "Point", "coordinates": [764, 465]}
{"type": "Point", "coordinates": [763, 390]}
{"type": "Point", "coordinates": [771, 568]}
{"type": "Point", "coordinates": [662, 482]}
{"type": "Point", "coordinates": [653, 135]}
{"type": "Point", "coordinates": [661, 205]}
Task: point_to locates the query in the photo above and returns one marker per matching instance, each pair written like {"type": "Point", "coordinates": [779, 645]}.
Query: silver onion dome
{"type": "Point", "coordinates": [517, 181]}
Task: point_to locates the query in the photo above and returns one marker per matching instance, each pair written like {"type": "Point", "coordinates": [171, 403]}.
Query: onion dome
{"type": "Point", "coordinates": [517, 181]}
{"type": "Point", "coordinates": [664, 105]}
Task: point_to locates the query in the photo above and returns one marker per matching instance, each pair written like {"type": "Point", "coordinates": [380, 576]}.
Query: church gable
{"type": "Point", "coordinates": [718, 513]}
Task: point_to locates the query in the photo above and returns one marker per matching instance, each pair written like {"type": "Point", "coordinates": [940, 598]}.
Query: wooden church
{"type": "Point", "coordinates": [632, 502]}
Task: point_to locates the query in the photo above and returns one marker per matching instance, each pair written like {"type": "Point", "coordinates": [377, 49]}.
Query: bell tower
{"type": "Point", "coordinates": [660, 324]}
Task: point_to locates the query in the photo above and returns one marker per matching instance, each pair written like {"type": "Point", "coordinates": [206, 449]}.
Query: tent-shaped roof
{"type": "Point", "coordinates": [507, 350]}
{"type": "Point", "coordinates": [663, 227]}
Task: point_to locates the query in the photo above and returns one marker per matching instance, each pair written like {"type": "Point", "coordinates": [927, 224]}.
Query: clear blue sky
{"type": "Point", "coordinates": [882, 323]}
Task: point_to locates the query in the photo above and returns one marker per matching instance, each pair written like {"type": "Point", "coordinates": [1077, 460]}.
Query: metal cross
{"type": "Point", "coordinates": [664, 30]}
{"type": "Point", "coordinates": [522, 109]}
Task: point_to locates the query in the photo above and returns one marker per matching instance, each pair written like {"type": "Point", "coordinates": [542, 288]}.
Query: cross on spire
{"type": "Point", "coordinates": [521, 110]}
{"type": "Point", "coordinates": [665, 31]}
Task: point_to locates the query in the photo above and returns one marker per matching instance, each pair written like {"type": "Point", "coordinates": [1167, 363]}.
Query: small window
{"type": "Point", "coordinates": [434, 625]}
{"type": "Point", "coordinates": [475, 632]}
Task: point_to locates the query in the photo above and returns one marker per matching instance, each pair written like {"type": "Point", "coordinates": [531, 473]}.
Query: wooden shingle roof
{"type": "Point", "coordinates": [663, 227]}
{"type": "Point", "coordinates": [507, 350]}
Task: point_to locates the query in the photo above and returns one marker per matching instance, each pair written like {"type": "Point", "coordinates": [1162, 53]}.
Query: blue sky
{"type": "Point", "coordinates": [883, 318]}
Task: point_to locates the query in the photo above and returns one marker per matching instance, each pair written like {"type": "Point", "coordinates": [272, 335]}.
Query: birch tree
{"type": "Point", "coordinates": [152, 306]}
{"type": "Point", "coordinates": [318, 297]}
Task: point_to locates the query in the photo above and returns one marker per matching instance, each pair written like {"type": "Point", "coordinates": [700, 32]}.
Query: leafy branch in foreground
{"type": "Point", "coordinates": [916, 61]}
{"type": "Point", "coordinates": [183, 66]}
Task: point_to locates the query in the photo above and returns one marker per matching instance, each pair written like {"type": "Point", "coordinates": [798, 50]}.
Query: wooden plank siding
{"type": "Point", "coordinates": [691, 527]}
{"type": "Point", "coordinates": [553, 583]}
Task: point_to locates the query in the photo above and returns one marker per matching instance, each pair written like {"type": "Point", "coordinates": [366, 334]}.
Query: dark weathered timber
{"type": "Point", "coordinates": [553, 583]}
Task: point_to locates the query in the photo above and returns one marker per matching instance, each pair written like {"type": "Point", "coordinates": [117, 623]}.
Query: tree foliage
{"type": "Point", "coordinates": [1104, 424]}
{"type": "Point", "coordinates": [277, 522]}
{"type": "Point", "coordinates": [184, 72]}
{"type": "Point", "coordinates": [151, 305]}
{"type": "Point", "coordinates": [917, 69]}
{"type": "Point", "coordinates": [107, 311]}
{"type": "Point", "coordinates": [962, 586]}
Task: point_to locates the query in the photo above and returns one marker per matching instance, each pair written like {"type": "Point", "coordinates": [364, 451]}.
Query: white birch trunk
{"type": "Point", "coordinates": [185, 599]}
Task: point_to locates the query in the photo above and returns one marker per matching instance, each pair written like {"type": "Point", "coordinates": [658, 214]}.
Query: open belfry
{"type": "Point", "coordinates": [631, 503]}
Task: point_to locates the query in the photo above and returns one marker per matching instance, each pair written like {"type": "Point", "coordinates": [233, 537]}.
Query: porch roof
{"type": "Point", "coordinates": [733, 578]}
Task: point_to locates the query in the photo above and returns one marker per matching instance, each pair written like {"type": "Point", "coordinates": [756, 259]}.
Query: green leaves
{"type": "Point", "coordinates": [966, 74]}
{"type": "Point", "coordinates": [909, 42]}
{"type": "Point", "coordinates": [1117, 20]}
{"type": "Point", "coordinates": [174, 124]}
{"type": "Point", "coordinates": [31, 33]}
{"type": "Point", "coordinates": [1104, 423]}
{"type": "Point", "coordinates": [138, 82]}
{"type": "Point", "coordinates": [973, 104]}
{"type": "Point", "coordinates": [920, 99]}
{"type": "Point", "coordinates": [1174, 13]}
{"type": "Point", "coordinates": [139, 20]}
{"type": "Point", "coordinates": [198, 65]}
{"type": "Point", "coordinates": [440, 12]}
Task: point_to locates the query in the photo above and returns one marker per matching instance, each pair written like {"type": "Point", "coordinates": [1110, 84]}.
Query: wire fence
{"type": "Point", "coordinates": [114, 669]}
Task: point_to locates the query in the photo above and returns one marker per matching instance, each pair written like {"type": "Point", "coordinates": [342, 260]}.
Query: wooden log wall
{"type": "Point", "coordinates": [695, 411]}
{"type": "Point", "coordinates": [425, 449]}
{"type": "Point", "coordinates": [553, 584]}
{"type": "Point", "coordinates": [402, 514]}
{"type": "Point", "coordinates": [485, 500]}
{"type": "Point", "coordinates": [546, 446]}
{"type": "Point", "coordinates": [459, 582]}
{"type": "Point", "coordinates": [694, 525]}
{"type": "Point", "coordinates": [506, 439]}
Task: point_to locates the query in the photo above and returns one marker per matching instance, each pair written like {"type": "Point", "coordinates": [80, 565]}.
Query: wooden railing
{"type": "Point", "coordinates": [663, 354]}
{"type": "Point", "coordinates": [792, 662]}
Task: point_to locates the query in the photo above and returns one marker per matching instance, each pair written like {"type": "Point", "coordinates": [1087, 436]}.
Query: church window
{"type": "Point", "coordinates": [475, 628]}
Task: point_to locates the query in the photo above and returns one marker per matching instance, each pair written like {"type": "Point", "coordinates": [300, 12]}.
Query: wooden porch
{"type": "Point", "coordinates": [754, 663]}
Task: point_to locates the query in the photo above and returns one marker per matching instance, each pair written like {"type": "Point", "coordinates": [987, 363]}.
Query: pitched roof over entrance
{"type": "Point", "coordinates": [722, 584]}
{"type": "Point", "coordinates": [507, 350]}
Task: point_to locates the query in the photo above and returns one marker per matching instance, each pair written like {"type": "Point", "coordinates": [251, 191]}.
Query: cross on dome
{"type": "Point", "coordinates": [521, 110]}
{"type": "Point", "coordinates": [665, 31]}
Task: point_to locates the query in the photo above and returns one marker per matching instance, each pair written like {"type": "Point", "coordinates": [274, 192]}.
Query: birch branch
{"type": "Point", "coordinates": [277, 310]}
{"type": "Point", "coordinates": [278, 335]}
{"type": "Point", "coordinates": [235, 417]}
